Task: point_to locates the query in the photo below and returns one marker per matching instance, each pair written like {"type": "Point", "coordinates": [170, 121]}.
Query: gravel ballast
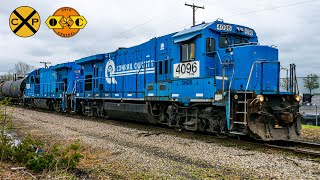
{"type": "Point", "coordinates": [164, 155]}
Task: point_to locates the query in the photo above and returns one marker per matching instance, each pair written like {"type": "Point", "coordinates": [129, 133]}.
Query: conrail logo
{"type": "Point", "coordinates": [66, 22]}
{"type": "Point", "coordinates": [112, 71]}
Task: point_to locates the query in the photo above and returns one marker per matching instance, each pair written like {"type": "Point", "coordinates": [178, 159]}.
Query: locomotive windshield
{"type": "Point", "coordinates": [226, 41]}
{"type": "Point", "coordinates": [238, 41]}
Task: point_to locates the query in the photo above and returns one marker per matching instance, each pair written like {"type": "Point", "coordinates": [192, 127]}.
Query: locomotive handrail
{"type": "Point", "coordinates": [229, 104]}
{"type": "Point", "coordinates": [69, 86]}
{"type": "Point", "coordinates": [93, 78]}
{"type": "Point", "coordinates": [248, 82]}
{"type": "Point", "coordinates": [252, 67]}
{"type": "Point", "coordinates": [287, 77]}
{"type": "Point", "coordinates": [83, 80]}
{"type": "Point", "coordinates": [61, 82]}
{"type": "Point", "coordinates": [218, 56]}
{"type": "Point", "coordinates": [74, 87]}
{"type": "Point", "coordinates": [241, 44]}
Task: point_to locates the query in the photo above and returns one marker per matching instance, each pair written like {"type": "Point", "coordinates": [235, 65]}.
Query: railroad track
{"type": "Point", "coordinates": [307, 149]}
{"type": "Point", "coordinates": [315, 154]}
{"type": "Point", "coordinates": [300, 147]}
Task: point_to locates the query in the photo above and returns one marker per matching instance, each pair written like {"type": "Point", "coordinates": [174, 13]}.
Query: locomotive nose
{"type": "Point", "coordinates": [256, 64]}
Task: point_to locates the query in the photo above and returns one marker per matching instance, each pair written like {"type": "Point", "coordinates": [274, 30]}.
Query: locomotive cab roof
{"type": "Point", "coordinates": [217, 27]}
{"type": "Point", "coordinates": [94, 58]}
{"type": "Point", "coordinates": [63, 65]}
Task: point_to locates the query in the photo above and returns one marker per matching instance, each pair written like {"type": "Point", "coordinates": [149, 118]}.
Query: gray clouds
{"type": "Point", "coordinates": [125, 23]}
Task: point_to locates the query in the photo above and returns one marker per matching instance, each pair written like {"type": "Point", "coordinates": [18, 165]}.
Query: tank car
{"type": "Point", "coordinates": [1, 84]}
{"type": "Point", "coordinates": [13, 90]}
{"type": "Point", "coordinates": [213, 77]}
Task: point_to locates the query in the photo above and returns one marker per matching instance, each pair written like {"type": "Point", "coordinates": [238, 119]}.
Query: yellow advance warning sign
{"type": "Point", "coordinates": [24, 21]}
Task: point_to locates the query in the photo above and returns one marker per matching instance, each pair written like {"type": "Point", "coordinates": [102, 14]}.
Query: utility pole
{"type": "Point", "coordinates": [45, 64]}
{"type": "Point", "coordinates": [194, 8]}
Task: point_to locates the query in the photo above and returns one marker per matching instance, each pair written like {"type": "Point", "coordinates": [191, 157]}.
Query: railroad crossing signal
{"type": "Point", "coordinates": [24, 21]}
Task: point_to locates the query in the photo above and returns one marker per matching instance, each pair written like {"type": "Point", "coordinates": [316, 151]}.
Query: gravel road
{"type": "Point", "coordinates": [165, 155]}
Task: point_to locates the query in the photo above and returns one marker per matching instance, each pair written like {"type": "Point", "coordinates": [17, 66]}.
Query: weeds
{"type": "Point", "coordinates": [6, 123]}
{"type": "Point", "coordinates": [310, 127]}
{"type": "Point", "coordinates": [29, 154]}
{"type": "Point", "coordinates": [57, 158]}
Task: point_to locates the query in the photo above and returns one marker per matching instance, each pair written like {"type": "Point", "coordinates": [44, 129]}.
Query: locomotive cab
{"type": "Point", "coordinates": [224, 64]}
{"type": "Point", "coordinates": [251, 86]}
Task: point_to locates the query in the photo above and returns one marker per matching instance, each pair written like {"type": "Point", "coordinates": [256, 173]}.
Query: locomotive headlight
{"type": "Point", "coordinates": [260, 98]}
{"type": "Point", "coordinates": [297, 98]}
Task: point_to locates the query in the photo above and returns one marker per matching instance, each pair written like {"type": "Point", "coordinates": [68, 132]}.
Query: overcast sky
{"type": "Point", "coordinates": [291, 25]}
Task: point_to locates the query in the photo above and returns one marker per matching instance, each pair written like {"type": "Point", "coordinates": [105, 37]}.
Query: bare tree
{"type": "Point", "coordinates": [285, 84]}
{"type": "Point", "coordinates": [311, 82]}
{"type": "Point", "coordinates": [7, 76]}
{"type": "Point", "coordinates": [21, 68]}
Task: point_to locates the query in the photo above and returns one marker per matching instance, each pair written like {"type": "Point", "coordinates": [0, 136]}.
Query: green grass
{"type": "Point", "coordinates": [310, 127]}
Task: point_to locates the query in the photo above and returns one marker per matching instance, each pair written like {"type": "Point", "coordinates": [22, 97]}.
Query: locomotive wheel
{"type": "Point", "coordinates": [222, 125]}
{"type": "Point", "coordinates": [56, 106]}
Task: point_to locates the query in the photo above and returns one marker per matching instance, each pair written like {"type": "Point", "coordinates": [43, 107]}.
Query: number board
{"type": "Point", "coordinates": [186, 69]}
{"type": "Point", "coordinates": [224, 27]}
{"type": "Point", "coordinates": [248, 31]}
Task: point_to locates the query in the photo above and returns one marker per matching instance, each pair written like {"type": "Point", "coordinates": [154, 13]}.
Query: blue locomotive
{"type": "Point", "coordinates": [213, 77]}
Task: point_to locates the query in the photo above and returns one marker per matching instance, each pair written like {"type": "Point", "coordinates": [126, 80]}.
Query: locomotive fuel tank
{"type": "Point", "coordinates": [42, 103]}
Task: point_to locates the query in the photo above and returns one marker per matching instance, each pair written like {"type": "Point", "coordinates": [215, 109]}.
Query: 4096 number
{"type": "Point", "coordinates": [186, 70]}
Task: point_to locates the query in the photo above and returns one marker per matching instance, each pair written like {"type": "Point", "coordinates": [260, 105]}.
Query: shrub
{"type": "Point", "coordinates": [56, 158]}
{"type": "Point", "coordinates": [27, 152]}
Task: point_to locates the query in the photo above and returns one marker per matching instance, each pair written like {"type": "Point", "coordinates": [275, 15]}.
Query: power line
{"type": "Point", "coordinates": [144, 23]}
{"type": "Point", "coordinates": [241, 14]}
{"type": "Point", "coordinates": [270, 9]}
{"type": "Point", "coordinates": [257, 11]}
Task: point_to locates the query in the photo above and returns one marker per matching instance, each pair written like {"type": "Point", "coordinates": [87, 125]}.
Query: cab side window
{"type": "Point", "coordinates": [210, 45]}
{"type": "Point", "coordinates": [32, 79]}
{"type": "Point", "coordinates": [188, 52]}
{"type": "Point", "coordinates": [88, 83]}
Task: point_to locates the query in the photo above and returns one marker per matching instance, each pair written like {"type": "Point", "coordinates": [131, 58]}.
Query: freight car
{"type": "Point", "coordinates": [13, 89]}
{"type": "Point", "coordinates": [213, 77]}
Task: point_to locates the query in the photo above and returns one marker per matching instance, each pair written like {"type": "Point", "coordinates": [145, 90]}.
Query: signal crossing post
{"type": "Point", "coordinates": [316, 114]}
{"type": "Point", "coordinates": [194, 8]}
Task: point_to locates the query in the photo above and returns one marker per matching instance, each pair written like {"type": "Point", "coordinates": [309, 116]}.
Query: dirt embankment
{"type": "Point", "coordinates": [118, 151]}
{"type": "Point", "coordinates": [310, 133]}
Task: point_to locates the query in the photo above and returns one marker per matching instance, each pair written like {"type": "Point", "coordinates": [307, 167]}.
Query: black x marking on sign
{"type": "Point", "coordinates": [24, 21]}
